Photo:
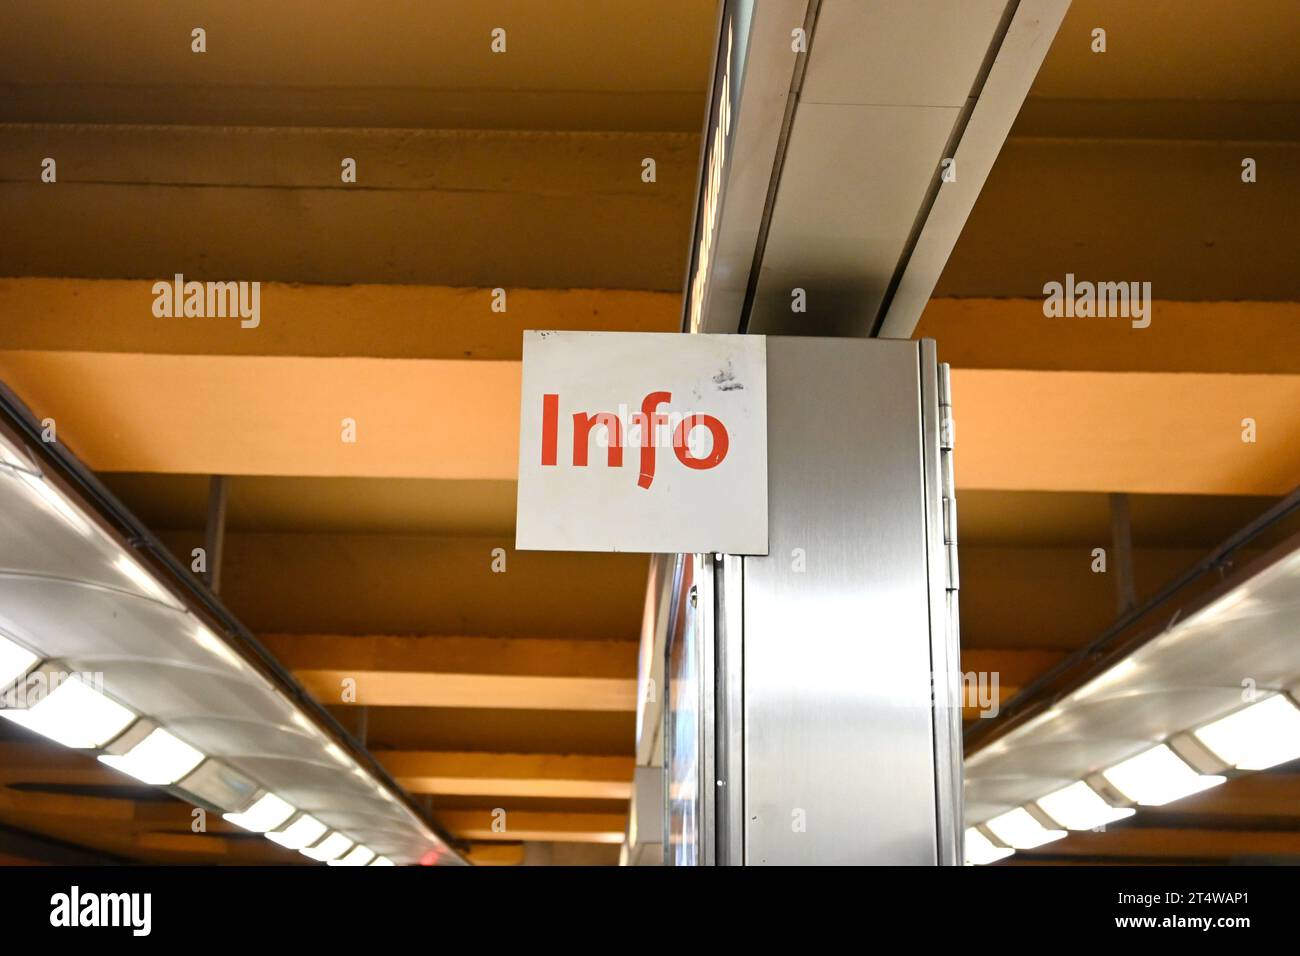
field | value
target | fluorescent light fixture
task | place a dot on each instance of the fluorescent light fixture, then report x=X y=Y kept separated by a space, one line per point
x=1234 y=601
x=1079 y=807
x=143 y=579
x=75 y=715
x=266 y=814
x=330 y=848
x=15 y=661
x=358 y=856
x=159 y=759
x=51 y=500
x=1256 y=737
x=217 y=647
x=304 y=831
x=383 y=861
x=980 y=850
x=1158 y=776
x=1106 y=678
x=1018 y=828
x=335 y=751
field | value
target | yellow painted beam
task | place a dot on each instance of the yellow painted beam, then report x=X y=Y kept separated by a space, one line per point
x=397 y=689
x=1182 y=337
x=564 y=776
x=496 y=854
x=526 y=825
x=370 y=321
x=437 y=653
x=257 y=415
x=1156 y=433
x=507 y=673
x=1170 y=433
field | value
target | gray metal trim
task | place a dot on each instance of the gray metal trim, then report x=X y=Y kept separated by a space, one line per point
x=945 y=651
x=729 y=723
x=764 y=75
x=703 y=593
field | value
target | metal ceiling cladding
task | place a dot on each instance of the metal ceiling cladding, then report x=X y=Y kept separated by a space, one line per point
x=72 y=592
x=1237 y=640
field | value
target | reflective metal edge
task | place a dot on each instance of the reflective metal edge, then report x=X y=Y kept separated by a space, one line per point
x=755 y=67
x=729 y=731
x=945 y=649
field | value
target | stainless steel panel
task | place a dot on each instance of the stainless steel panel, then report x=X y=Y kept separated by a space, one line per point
x=842 y=245
x=757 y=59
x=837 y=618
x=883 y=52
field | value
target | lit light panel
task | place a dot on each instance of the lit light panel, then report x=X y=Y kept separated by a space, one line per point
x=159 y=759
x=266 y=814
x=1257 y=737
x=1017 y=828
x=1158 y=776
x=1079 y=807
x=75 y=715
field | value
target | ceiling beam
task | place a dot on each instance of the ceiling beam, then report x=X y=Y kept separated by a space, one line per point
x=424 y=321
x=405 y=689
x=437 y=653
x=1183 y=337
x=495 y=854
x=511 y=775
x=485 y=673
x=400 y=321
x=1068 y=193
x=486 y=208
x=527 y=825
x=1016 y=430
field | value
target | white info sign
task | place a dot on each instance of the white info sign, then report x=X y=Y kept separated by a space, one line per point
x=642 y=441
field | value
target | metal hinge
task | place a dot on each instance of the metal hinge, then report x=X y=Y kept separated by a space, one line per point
x=949 y=489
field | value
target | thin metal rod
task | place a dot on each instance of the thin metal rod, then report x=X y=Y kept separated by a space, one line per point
x=214 y=539
x=363 y=725
x=1121 y=541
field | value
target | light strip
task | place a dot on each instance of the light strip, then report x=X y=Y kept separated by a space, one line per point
x=304 y=831
x=1079 y=807
x=1257 y=737
x=1017 y=828
x=980 y=850
x=383 y=861
x=266 y=814
x=330 y=848
x=75 y=715
x=358 y=856
x=159 y=759
x=1158 y=776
